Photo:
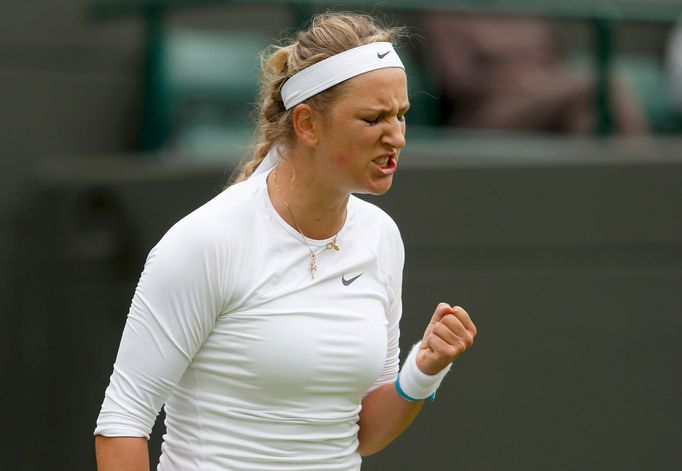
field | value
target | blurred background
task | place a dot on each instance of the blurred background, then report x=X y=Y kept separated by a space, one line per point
x=541 y=189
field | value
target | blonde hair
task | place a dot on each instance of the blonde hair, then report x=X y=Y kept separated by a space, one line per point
x=329 y=34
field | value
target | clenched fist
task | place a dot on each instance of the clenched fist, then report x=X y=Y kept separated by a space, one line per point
x=449 y=334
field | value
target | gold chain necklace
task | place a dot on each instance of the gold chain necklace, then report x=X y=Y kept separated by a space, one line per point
x=313 y=256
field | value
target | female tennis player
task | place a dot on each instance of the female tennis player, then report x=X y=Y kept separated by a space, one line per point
x=266 y=322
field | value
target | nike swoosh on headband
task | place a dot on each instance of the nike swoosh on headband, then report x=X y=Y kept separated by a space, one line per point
x=336 y=69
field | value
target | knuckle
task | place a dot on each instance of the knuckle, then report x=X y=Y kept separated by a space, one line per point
x=439 y=328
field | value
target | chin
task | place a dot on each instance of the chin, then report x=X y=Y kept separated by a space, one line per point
x=376 y=189
x=382 y=191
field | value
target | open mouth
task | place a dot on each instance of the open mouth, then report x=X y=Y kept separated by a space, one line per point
x=386 y=162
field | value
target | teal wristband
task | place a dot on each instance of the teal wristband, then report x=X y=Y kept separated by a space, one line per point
x=402 y=393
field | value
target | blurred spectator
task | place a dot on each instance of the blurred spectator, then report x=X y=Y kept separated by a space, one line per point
x=674 y=60
x=507 y=72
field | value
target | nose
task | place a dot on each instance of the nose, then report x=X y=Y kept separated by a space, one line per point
x=394 y=134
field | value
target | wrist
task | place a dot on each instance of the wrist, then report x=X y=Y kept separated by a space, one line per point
x=413 y=384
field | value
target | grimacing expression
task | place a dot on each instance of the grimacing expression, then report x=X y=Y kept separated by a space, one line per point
x=364 y=131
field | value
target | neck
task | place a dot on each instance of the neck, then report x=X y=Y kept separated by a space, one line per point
x=316 y=209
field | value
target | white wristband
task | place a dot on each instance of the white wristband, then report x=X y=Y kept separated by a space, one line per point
x=414 y=385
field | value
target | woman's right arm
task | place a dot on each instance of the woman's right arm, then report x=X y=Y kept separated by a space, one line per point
x=174 y=309
x=122 y=453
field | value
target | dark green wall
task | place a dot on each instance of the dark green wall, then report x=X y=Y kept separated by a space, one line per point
x=573 y=274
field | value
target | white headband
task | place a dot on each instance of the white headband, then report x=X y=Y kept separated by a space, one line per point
x=335 y=69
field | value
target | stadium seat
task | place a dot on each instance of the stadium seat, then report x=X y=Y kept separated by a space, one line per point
x=645 y=74
x=202 y=91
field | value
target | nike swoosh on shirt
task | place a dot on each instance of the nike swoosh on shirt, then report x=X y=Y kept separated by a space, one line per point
x=381 y=56
x=346 y=282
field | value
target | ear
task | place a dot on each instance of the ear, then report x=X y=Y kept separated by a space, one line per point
x=304 y=118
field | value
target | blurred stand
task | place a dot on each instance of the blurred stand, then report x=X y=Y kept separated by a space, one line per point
x=507 y=72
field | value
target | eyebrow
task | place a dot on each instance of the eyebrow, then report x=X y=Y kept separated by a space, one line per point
x=381 y=109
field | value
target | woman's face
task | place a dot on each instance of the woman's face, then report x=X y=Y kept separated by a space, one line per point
x=361 y=135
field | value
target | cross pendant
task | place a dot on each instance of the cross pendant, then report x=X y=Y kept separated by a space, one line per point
x=313 y=266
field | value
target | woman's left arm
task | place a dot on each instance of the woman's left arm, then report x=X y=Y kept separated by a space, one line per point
x=385 y=414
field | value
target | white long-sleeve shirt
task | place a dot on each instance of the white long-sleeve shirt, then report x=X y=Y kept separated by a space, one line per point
x=259 y=366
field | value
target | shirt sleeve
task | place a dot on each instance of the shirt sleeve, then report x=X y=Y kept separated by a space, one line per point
x=393 y=255
x=174 y=308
